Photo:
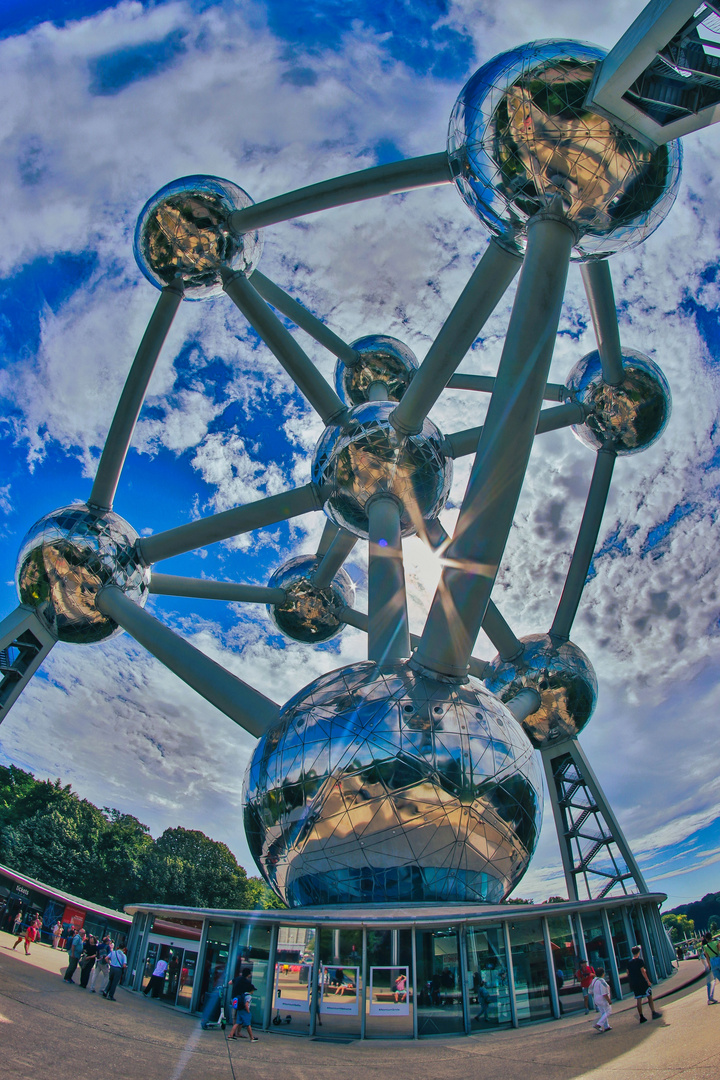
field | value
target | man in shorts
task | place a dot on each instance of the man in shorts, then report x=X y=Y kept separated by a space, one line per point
x=640 y=985
x=242 y=989
x=585 y=975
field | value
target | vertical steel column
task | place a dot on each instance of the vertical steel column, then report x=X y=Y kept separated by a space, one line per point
x=143 y=951
x=123 y=423
x=548 y=754
x=314 y=1000
x=464 y=978
x=136 y=932
x=388 y=632
x=554 y=992
x=646 y=945
x=614 y=970
x=413 y=947
x=599 y=290
x=511 y=975
x=272 y=954
x=472 y=559
x=581 y=938
x=363 y=1001
x=629 y=929
x=195 y=1001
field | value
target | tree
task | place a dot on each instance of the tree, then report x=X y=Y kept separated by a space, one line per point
x=679 y=927
x=187 y=868
x=260 y=896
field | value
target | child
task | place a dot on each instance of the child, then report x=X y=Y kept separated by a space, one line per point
x=601 y=996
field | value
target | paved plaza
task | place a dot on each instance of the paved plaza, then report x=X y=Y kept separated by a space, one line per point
x=49 y=1029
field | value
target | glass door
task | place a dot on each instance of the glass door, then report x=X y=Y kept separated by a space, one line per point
x=440 y=1007
x=295 y=960
x=340 y=987
x=389 y=1001
x=487 y=972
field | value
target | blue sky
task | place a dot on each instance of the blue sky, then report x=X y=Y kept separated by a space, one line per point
x=105 y=104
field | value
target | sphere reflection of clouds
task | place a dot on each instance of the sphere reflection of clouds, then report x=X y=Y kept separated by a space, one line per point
x=520 y=135
x=183 y=230
x=382 y=359
x=380 y=784
x=309 y=614
x=64 y=561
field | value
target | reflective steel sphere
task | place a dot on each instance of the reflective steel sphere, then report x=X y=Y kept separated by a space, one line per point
x=564 y=678
x=365 y=455
x=64 y=561
x=183 y=230
x=309 y=614
x=629 y=417
x=382 y=785
x=384 y=359
x=520 y=135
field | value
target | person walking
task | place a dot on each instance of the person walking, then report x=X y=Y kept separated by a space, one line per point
x=640 y=985
x=600 y=992
x=710 y=977
x=241 y=993
x=118 y=963
x=156 y=982
x=585 y=975
x=17 y=923
x=711 y=952
x=56 y=934
x=75 y=951
x=28 y=935
x=102 y=964
x=87 y=961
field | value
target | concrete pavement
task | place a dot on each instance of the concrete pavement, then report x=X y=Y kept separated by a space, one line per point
x=51 y=1030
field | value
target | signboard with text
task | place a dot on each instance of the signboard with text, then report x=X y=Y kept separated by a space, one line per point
x=389 y=991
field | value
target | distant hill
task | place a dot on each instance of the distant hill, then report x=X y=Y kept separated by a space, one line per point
x=700 y=911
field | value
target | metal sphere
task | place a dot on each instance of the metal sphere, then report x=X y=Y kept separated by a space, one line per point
x=309 y=614
x=183 y=230
x=384 y=359
x=629 y=417
x=64 y=561
x=365 y=456
x=563 y=677
x=383 y=785
x=520 y=135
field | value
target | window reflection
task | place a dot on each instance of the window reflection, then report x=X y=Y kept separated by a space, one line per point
x=566 y=961
x=532 y=992
x=488 y=989
x=439 y=986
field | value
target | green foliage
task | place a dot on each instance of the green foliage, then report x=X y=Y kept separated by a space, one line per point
x=679 y=927
x=701 y=911
x=518 y=900
x=51 y=834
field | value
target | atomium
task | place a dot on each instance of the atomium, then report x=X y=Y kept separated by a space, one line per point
x=626 y=418
x=183 y=230
x=66 y=558
x=520 y=135
x=309 y=614
x=382 y=359
x=379 y=785
x=365 y=456
x=398 y=779
x=564 y=678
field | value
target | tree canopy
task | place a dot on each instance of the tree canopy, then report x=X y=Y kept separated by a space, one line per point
x=49 y=833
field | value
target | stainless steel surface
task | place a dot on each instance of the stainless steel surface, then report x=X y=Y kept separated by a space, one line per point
x=388 y=630
x=283 y=346
x=308 y=613
x=123 y=423
x=64 y=561
x=228 y=523
x=243 y=704
x=370 y=183
x=520 y=135
x=489 y=282
x=183 y=229
x=561 y=674
x=302 y=317
x=627 y=418
x=336 y=554
x=207 y=589
x=379 y=785
x=24 y=643
x=366 y=456
x=601 y=300
x=472 y=558
x=379 y=359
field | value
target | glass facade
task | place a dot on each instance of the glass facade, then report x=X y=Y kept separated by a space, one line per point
x=566 y=961
x=530 y=970
x=380 y=980
x=488 y=986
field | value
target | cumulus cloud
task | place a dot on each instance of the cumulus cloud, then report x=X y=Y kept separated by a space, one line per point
x=103 y=111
